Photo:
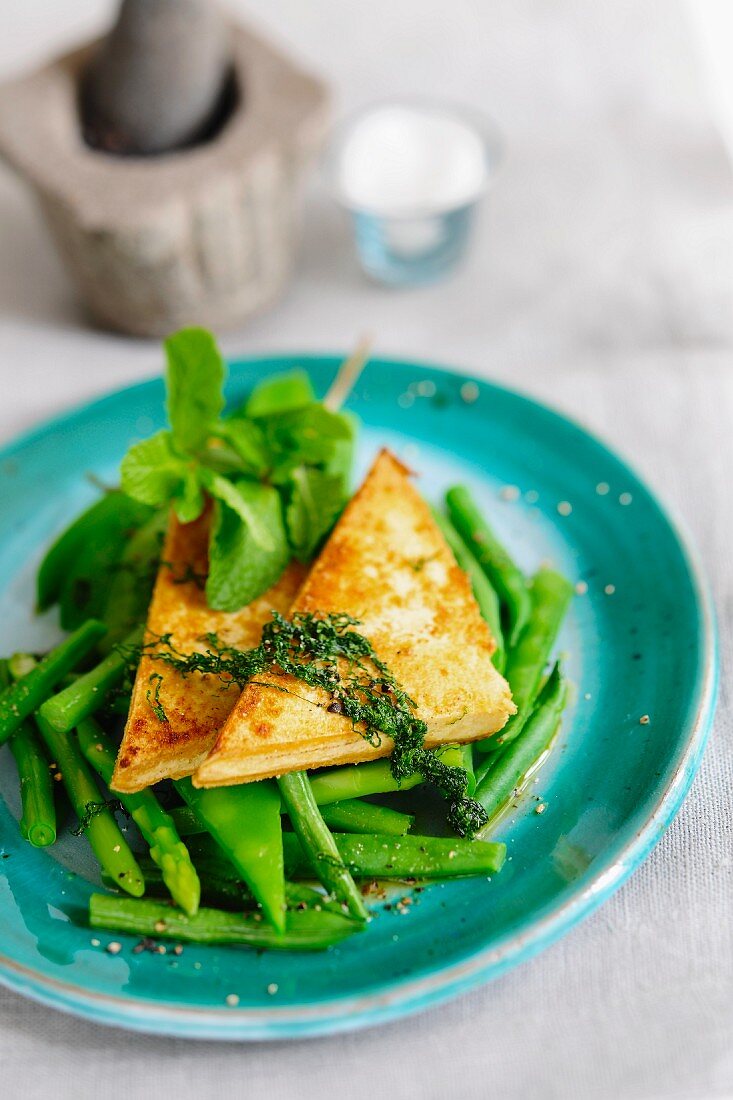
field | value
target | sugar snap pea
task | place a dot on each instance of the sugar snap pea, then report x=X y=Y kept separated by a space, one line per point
x=520 y=755
x=551 y=594
x=506 y=577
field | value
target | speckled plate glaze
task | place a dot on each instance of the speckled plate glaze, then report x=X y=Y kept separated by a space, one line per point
x=639 y=641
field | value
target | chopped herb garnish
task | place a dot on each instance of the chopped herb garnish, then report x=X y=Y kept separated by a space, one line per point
x=329 y=653
x=187 y=574
x=153 y=696
x=94 y=809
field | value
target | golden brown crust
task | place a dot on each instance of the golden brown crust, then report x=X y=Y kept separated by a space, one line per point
x=196 y=706
x=387 y=565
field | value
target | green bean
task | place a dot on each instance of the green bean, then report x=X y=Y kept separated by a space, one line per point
x=38 y=820
x=483 y=590
x=38 y=817
x=494 y=559
x=131 y=586
x=87 y=694
x=374 y=777
x=156 y=826
x=355 y=816
x=95 y=818
x=221 y=892
x=245 y=823
x=18 y=665
x=23 y=697
x=408 y=857
x=304 y=929
x=487 y=762
x=350 y=816
x=520 y=756
x=318 y=843
x=551 y=595
x=467 y=765
x=370 y=856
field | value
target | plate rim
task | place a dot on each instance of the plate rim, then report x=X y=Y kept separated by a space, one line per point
x=406 y=995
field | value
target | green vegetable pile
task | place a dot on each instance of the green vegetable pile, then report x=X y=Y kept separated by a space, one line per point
x=226 y=865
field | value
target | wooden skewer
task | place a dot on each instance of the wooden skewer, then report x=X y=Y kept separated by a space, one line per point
x=348 y=374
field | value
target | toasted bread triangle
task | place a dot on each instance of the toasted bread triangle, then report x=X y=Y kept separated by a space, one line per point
x=195 y=706
x=387 y=565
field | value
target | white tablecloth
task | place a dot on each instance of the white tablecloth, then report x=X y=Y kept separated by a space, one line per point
x=601 y=281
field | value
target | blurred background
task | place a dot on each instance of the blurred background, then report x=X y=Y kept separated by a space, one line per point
x=608 y=228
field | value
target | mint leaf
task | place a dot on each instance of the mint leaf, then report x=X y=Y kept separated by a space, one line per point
x=194 y=383
x=341 y=462
x=247 y=440
x=189 y=501
x=151 y=470
x=279 y=393
x=315 y=500
x=248 y=548
x=154 y=473
x=303 y=436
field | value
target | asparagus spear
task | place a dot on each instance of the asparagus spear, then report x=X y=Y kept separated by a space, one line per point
x=304 y=930
x=38 y=819
x=245 y=823
x=157 y=827
x=87 y=694
x=23 y=697
x=518 y=757
x=318 y=843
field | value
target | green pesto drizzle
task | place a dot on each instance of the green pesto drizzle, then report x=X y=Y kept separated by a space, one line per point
x=328 y=653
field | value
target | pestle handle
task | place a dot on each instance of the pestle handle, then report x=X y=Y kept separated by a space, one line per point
x=161 y=79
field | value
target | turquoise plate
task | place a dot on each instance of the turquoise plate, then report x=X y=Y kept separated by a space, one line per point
x=639 y=641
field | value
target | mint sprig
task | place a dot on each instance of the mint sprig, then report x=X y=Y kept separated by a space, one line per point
x=277 y=470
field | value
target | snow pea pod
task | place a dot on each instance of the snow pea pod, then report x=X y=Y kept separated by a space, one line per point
x=105 y=533
x=244 y=821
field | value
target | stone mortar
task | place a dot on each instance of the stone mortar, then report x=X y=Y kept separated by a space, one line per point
x=202 y=236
